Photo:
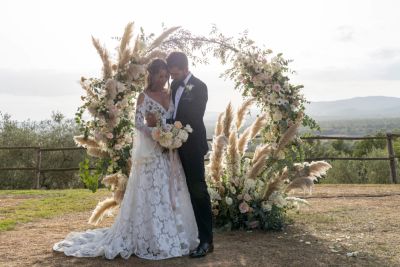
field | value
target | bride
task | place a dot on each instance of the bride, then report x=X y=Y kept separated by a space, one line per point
x=154 y=221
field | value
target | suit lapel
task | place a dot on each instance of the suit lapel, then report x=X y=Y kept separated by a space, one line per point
x=179 y=107
x=174 y=89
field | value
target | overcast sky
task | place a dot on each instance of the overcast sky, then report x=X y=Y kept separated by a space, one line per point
x=341 y=49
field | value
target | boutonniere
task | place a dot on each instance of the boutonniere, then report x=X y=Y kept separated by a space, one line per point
x=189 y=87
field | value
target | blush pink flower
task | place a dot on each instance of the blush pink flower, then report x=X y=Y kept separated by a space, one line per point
x=178 y=125
x=276 y=87
x=244 y=207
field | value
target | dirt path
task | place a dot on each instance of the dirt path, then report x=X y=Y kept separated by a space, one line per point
x=321 y=235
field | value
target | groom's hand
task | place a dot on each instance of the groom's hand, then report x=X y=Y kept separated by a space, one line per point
x=151 y=120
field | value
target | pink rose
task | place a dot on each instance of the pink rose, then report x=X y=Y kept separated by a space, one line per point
x=276 y=87
x=247 y=197
x=244 y=207
x=178 y=124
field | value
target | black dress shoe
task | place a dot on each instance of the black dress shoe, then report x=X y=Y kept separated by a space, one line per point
x=202 y=250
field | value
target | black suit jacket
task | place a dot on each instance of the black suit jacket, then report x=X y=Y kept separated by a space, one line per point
x=190 y=110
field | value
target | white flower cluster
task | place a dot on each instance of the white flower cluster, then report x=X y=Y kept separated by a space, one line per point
x=109 y=103
x=214 y=195
x=266 y=79
x=171 y=136
x=278 y=199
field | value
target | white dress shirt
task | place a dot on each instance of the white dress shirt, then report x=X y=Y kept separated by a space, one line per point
x=179 y=93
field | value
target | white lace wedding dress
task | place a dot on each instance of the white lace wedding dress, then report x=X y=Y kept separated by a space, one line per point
x=148 y=224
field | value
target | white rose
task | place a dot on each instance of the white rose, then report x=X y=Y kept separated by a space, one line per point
x=118 y=147
x=168 y=127
x=183 y=135
x=128 y=139
x=233 y=190
x=247 y=197
x=177 y=144
x=213 y=194
x=168 y=135
x=228 y=201
x=165 y=142
x=249 y=184
x=266 y=206
x=188 y=128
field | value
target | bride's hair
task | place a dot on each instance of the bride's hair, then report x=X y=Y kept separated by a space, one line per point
x=153 y=68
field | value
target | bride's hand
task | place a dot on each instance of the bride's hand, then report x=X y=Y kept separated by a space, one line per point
x=151 y=119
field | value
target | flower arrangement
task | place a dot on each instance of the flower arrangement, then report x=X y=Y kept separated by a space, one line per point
x=171 y=136
x=245 y=189
x=249 y=189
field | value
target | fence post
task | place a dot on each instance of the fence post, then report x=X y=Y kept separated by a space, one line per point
x=392 y=158
x=38 y=163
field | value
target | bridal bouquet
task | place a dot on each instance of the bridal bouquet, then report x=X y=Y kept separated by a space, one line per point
x=171 y=136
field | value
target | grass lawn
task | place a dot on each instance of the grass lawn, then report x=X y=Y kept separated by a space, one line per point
x=30 y=205
x=357 y=220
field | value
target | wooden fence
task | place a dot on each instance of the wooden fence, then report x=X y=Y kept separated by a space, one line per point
x=39 y=153
x=389 y=140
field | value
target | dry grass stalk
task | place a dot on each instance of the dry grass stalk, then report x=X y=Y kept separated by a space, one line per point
x=124 y=53
x=101 y=209
x=228 y=118
x=80 y=140
x=118 y=182
x=243 y=140
x=257 y=125
x=306 y=180
x=215 y=164
x=233 y=157
x=242 y=112
x=256 y=168
x=104 y=55
x=219 y=128
x=157 y=42
x=275 y=184
x=87 y=88
x=262 y=151
x=318 y=168
x=153 y=55
x=96 y=152
x=288 y=136
x=136 y=47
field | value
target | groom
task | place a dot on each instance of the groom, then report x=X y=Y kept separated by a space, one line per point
x=189 y=96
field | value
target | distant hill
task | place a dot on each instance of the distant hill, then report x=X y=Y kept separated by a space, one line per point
x=354 y=117
x=371 y=107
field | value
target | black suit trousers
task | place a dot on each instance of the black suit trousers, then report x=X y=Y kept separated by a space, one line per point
x=193 y=165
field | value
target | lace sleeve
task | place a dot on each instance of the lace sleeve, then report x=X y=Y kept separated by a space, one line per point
x=139 y=120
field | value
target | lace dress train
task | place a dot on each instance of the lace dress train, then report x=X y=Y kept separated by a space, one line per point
x=148 y=224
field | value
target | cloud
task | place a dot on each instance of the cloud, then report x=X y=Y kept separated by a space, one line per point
x=365 y=72
x=385 y=53
x=345 y=33
x=38 y=107
x=38 y=83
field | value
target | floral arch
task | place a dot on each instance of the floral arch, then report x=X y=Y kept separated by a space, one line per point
x=246 y=192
